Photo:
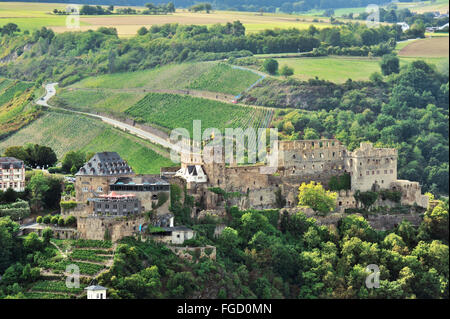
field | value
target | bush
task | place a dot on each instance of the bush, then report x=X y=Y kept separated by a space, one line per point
x=47 y=219
x=55 y=170
x=47 y=234
x=70 y=221
x=54 y=220
x=61 y=221
x=39 y=219
x=68 y=204
x=271 y=66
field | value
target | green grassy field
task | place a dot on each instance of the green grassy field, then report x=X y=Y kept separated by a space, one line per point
x=208 y=76
x=339 y=69
x=66 y=132
x=176 y=111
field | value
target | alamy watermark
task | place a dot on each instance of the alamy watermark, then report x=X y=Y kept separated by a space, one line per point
x=73 y=277
x=373 y=19
x=73 y=16
x=373 y=279
x=235 y=146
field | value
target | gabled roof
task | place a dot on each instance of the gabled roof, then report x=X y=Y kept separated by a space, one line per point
x=105 y=164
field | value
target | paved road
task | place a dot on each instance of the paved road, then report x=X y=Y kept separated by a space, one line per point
x=51 y=91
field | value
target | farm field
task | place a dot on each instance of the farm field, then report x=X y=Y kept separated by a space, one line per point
x=425 y=6
x=176 y=111
x=339 y=69
x=429 y=47
x=65 y=132
x=37 y=15
x=207 y=76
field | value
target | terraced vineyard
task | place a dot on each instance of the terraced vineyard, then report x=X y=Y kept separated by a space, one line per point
x=16 y=109
x=102 y=100
x=207 y=76
x=172 y=111
x=97 y=256
x=65 y=132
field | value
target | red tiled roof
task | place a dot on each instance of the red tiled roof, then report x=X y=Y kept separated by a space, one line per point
x=115 y=195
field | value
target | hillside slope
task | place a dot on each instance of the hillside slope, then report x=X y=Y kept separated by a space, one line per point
x=66 y=132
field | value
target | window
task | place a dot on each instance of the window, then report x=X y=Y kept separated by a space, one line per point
x=85 y=189
x=99 y=189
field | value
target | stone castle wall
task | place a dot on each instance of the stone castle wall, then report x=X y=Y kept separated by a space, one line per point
x=92 y=227
x=305 y=161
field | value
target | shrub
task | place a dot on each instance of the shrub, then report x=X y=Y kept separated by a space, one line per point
x=271 y=66
x=54 y=219
x=47 y=219
x=39 y=219
x=68 y=204
x=70 y=221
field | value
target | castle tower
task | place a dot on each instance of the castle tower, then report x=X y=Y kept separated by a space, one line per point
x=372 y=168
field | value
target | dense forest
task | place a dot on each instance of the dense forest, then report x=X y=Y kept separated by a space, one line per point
x=260 y=254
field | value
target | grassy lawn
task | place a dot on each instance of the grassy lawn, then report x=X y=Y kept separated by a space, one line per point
x=66 y=132
x=339 y=69
x=336 y=69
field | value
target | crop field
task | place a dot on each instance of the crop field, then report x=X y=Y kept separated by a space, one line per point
x=65 y=132
x=207 y=76
x=36 y=15
x=429 y=47
x=425 y=6
x=176 y=111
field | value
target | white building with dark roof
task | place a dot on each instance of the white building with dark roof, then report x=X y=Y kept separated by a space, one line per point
x=12 y=174
x=96 y=292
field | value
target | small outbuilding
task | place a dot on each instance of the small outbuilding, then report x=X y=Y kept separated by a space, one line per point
x=96 y=292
